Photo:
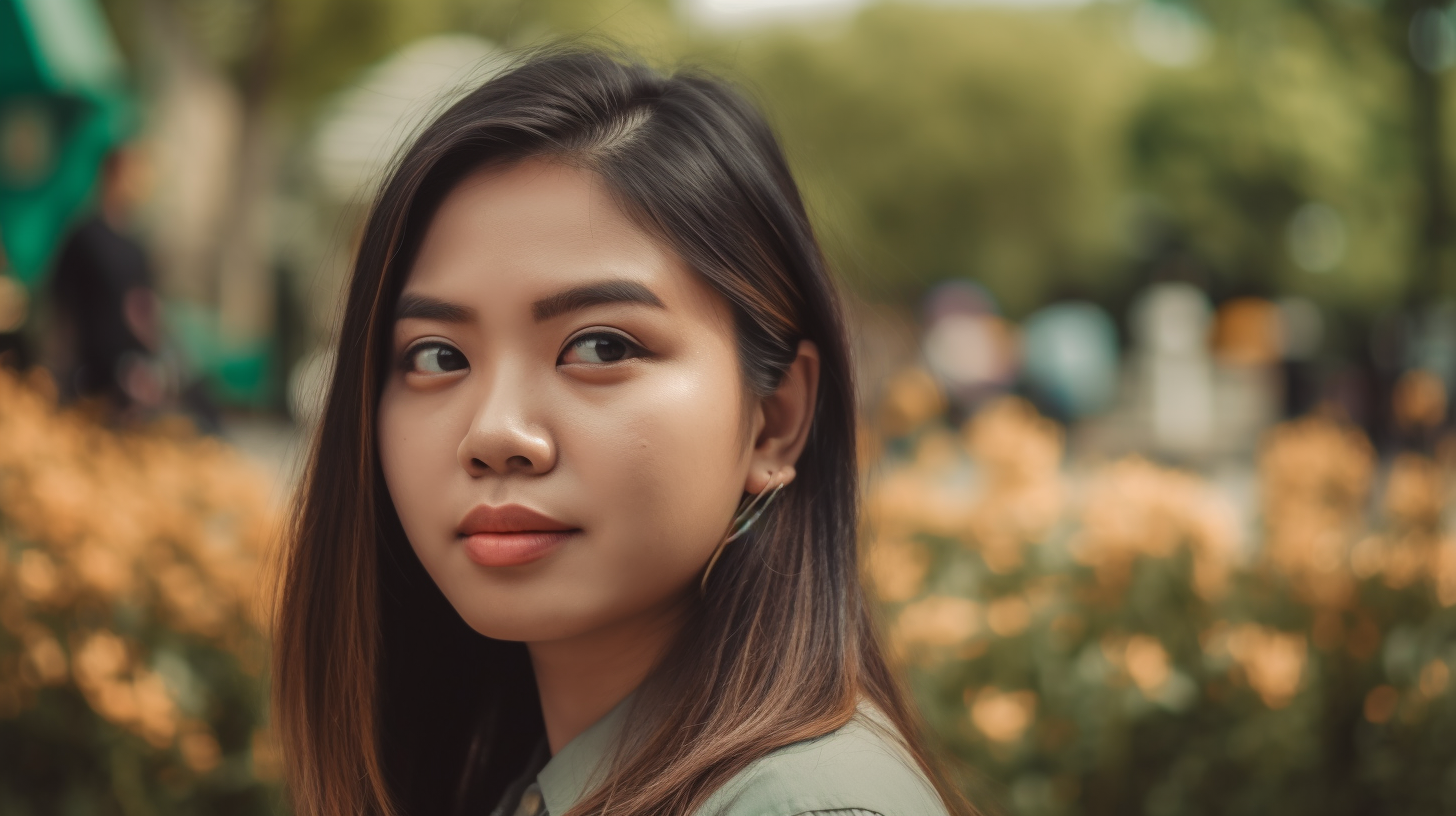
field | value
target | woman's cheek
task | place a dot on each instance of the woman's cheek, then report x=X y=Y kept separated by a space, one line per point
x=418 y=460
x=675 y=471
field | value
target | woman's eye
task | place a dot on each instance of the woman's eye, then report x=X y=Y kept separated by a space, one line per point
x=600 y=348
x=435 y=358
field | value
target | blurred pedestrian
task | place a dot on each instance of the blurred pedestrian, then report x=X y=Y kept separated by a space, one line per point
x=14 y=305
x=1302 y=333
x=970 y=348
x=107 y=323
x=1070 y=359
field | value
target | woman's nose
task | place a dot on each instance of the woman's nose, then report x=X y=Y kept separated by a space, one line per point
x=504 y=437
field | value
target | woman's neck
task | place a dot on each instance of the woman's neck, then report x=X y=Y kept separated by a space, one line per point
x=582 y=678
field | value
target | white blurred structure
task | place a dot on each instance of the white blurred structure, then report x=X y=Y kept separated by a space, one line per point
x=358 y=136
x=1173 y=368
x=367 y=124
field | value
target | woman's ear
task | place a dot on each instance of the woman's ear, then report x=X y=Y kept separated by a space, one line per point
x=785 y=417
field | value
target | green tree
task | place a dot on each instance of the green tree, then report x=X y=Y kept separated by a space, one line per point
x=938 y=143
x=1277 y=117
x=1395 y=56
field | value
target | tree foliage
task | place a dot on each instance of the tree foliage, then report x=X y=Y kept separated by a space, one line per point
x=1035 y=152
x=937 y=143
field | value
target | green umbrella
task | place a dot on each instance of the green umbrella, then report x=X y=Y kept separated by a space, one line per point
x=63 y=105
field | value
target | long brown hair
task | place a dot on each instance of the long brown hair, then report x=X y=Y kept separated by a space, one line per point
x=386 y=702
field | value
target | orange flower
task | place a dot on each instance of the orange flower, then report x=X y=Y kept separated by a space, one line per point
x=1003 y=716
x=169 y=526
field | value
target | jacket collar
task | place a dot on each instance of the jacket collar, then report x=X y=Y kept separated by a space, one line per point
x=583 y=763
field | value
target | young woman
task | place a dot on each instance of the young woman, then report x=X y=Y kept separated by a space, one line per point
x=578 y=536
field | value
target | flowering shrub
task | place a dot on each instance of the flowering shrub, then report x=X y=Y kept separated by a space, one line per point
x=1123 y=642
x=131 y=649
x=1111 y=642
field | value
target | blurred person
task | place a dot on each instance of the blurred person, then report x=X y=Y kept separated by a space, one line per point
x=1248 y=397
x=1351 y=392
x=1387 y=358
x=107 y=331
x=1421 y=396
x=1419 y=407
x=579 y=530
x=1302 y=337
x=1247 y=331
x=969 y=347
x=14 y=307
x=1070 y=359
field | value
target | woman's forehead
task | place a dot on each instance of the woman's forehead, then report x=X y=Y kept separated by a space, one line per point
x=536 y=228
x=536 y=209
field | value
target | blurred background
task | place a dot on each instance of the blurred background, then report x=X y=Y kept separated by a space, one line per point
x=1155 y=313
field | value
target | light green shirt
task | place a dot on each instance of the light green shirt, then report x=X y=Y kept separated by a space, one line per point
x=858 y=770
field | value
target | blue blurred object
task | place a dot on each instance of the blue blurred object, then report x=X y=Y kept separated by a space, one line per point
x=1070 y=359
x=63 y=106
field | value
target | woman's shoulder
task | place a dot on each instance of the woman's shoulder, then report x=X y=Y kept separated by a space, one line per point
x=861 y=769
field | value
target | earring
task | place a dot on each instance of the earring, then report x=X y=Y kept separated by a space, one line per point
x=742 y=521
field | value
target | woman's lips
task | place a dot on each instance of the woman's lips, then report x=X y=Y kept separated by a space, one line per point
x=512 y=549
x=510 y=535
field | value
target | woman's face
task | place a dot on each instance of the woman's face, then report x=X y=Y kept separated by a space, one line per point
x=563 y=431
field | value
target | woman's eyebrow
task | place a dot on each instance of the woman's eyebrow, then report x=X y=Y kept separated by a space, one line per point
x=424 y=307
x=594 y=294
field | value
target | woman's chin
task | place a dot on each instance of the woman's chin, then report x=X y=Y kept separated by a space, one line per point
x=549 y=613
x=538 y=624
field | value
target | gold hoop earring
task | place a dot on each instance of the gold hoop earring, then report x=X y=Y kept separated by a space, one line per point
x=742 y=521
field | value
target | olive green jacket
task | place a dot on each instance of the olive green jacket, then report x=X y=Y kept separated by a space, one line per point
x=858 y=770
